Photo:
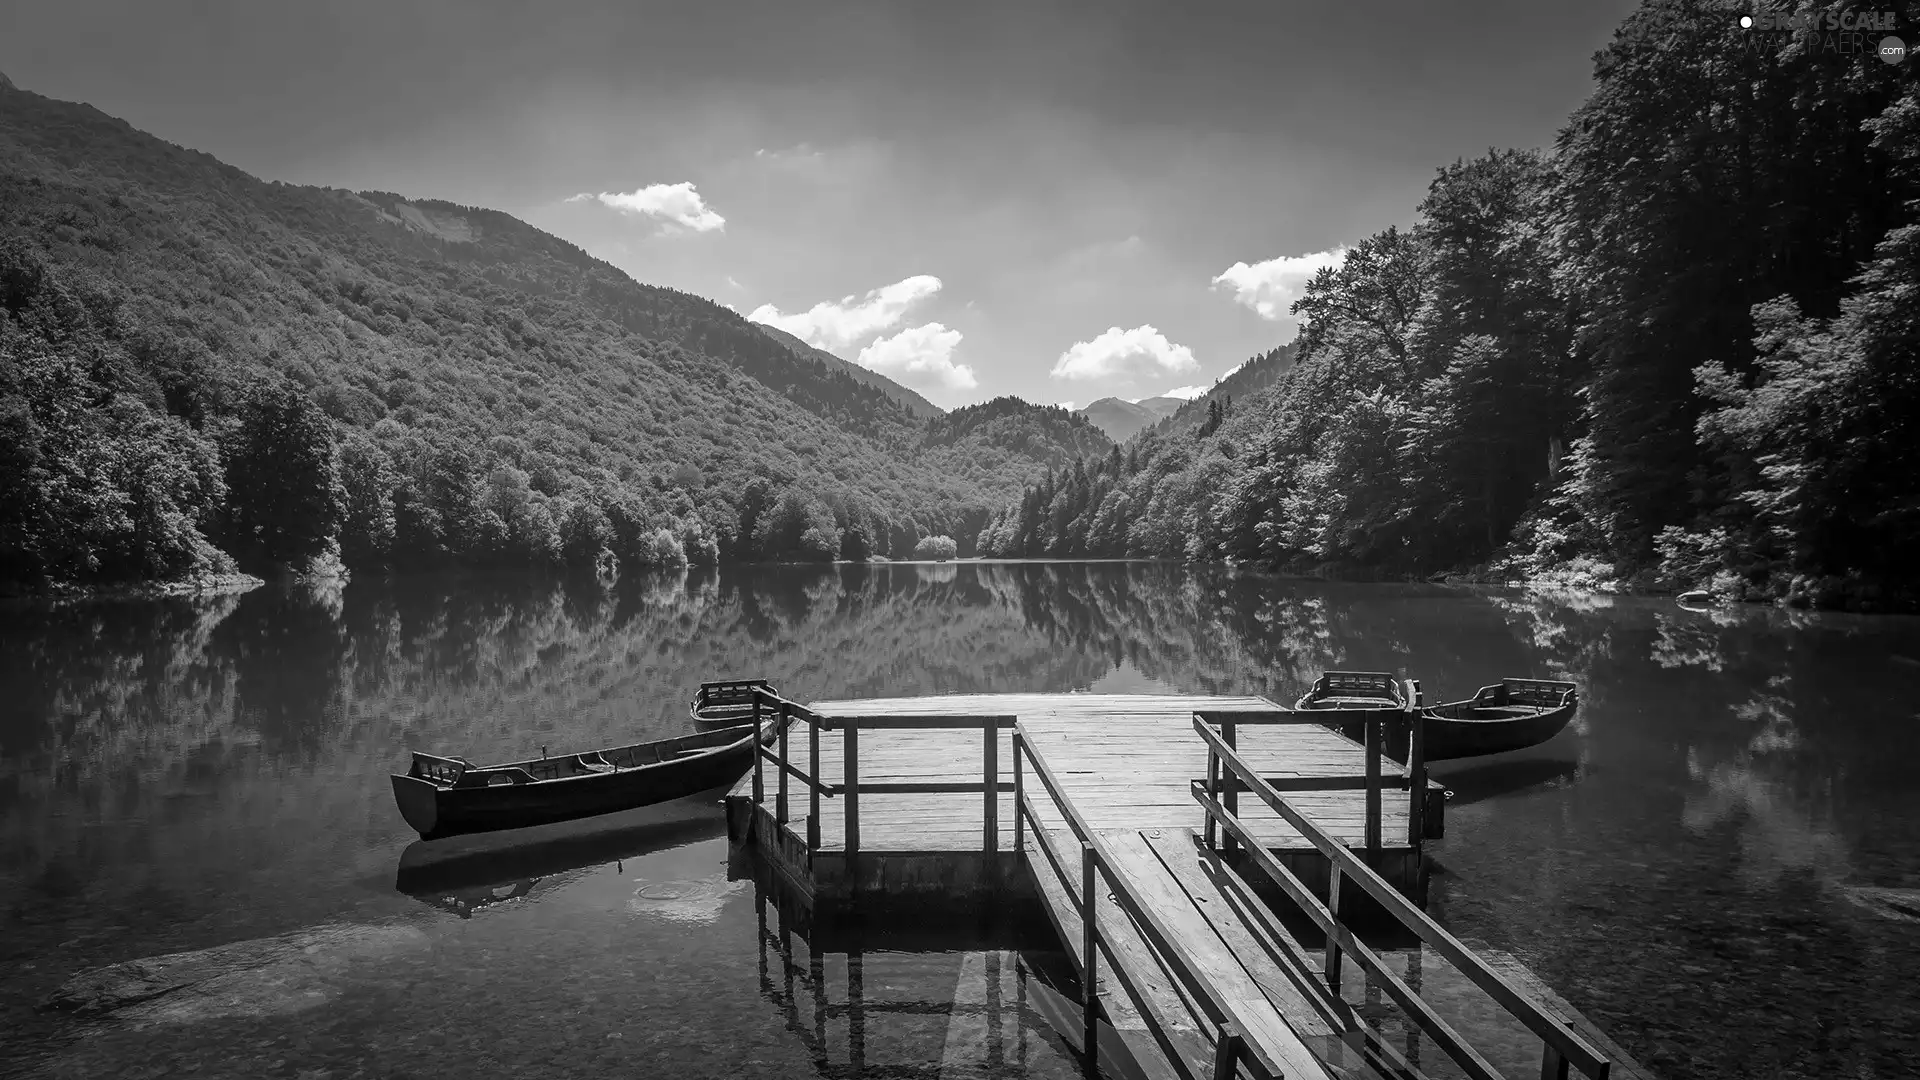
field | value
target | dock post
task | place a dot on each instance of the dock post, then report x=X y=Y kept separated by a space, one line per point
x=1226 y=1052
x=992 y=807
x=850 y=777
x=1375 y=723
x=1019 y=794
x=1331 y=965
x=1213 y=792
x=813 y=784
x=759 y=754
x=1230 y=797
x=1416 y=767
x=780 y=800
x=1553 y=1065
x=1089 y=946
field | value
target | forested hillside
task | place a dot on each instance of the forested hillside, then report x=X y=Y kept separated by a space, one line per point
x=199 y=367
x=1248 y=379
x=1677 y=349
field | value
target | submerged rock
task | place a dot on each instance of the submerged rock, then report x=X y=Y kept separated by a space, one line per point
x=261 y=977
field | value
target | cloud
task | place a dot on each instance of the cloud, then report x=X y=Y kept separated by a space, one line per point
x=920 y=356
x=1271 y=287
x=1123 y=352
x=832 y=325
x=798 y=157
x=676 y=204
x=734 y=284
x=1185 y=393
x=1067 y=405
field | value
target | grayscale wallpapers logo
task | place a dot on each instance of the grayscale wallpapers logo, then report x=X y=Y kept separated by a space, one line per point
x=1847 y=33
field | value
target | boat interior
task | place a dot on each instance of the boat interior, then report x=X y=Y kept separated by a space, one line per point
x=1355 y=690
x=1509 y=699
x=456 y=772
x=720 y=700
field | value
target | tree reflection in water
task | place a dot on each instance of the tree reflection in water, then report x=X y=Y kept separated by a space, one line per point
x=178 y=773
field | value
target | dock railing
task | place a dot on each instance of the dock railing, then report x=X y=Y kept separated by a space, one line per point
x=788 y=714
x=1377 y=725
x=1232 y=1050
x=1228 y=774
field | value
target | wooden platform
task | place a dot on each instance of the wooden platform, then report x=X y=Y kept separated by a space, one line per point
x=1128 y=762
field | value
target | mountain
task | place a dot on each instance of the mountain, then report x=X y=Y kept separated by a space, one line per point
x=196 y=361
x=1122 y=419
x=1045 y=435
x=1243 y=382
x=911 y=401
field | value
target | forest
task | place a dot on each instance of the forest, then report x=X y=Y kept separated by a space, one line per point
x=204 y=374
x=1675 y=350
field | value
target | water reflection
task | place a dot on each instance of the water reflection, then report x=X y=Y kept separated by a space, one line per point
x=1732 y=808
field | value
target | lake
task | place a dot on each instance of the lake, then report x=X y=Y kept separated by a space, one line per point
x=1719 y=861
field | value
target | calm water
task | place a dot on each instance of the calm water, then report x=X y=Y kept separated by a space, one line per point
x=1719 y=862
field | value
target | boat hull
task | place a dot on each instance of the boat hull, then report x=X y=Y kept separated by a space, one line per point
x=437 y=810
x=1462 y=736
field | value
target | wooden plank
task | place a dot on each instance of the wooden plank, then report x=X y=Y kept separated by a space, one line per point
x=1121 y=947
x=1267 y=1033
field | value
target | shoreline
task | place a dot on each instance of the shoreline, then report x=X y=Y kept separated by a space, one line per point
x=210 y=585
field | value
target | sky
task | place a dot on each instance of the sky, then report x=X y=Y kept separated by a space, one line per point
x=1058 y=201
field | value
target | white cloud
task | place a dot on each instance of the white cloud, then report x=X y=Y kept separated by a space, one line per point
x=734 y=284
x=676 y=204
x=920 y=356
x=833 y=325
x=1067 y=405
x=1271 y=287
x=1123 y=352
x=1184 y=393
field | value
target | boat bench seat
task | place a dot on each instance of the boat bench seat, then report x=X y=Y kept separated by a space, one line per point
x=1506 y=710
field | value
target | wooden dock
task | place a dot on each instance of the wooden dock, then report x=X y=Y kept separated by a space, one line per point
x=920 y=822
x=1156 y=832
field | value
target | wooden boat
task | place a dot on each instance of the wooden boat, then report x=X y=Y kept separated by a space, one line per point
x=1349 y=690
x=1510 y=715
x=1353 y=694
x=724 y=704
x=449 y=796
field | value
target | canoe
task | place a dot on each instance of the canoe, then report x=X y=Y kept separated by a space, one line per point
x=725 y=704
x=1512 y=714
x=441 y=796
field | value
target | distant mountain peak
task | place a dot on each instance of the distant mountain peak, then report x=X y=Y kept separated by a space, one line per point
x=6 y=83
x=1121 y=419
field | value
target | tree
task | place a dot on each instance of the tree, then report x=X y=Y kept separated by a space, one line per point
x=284 y=499
x=367 y=517
x=936 y=548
